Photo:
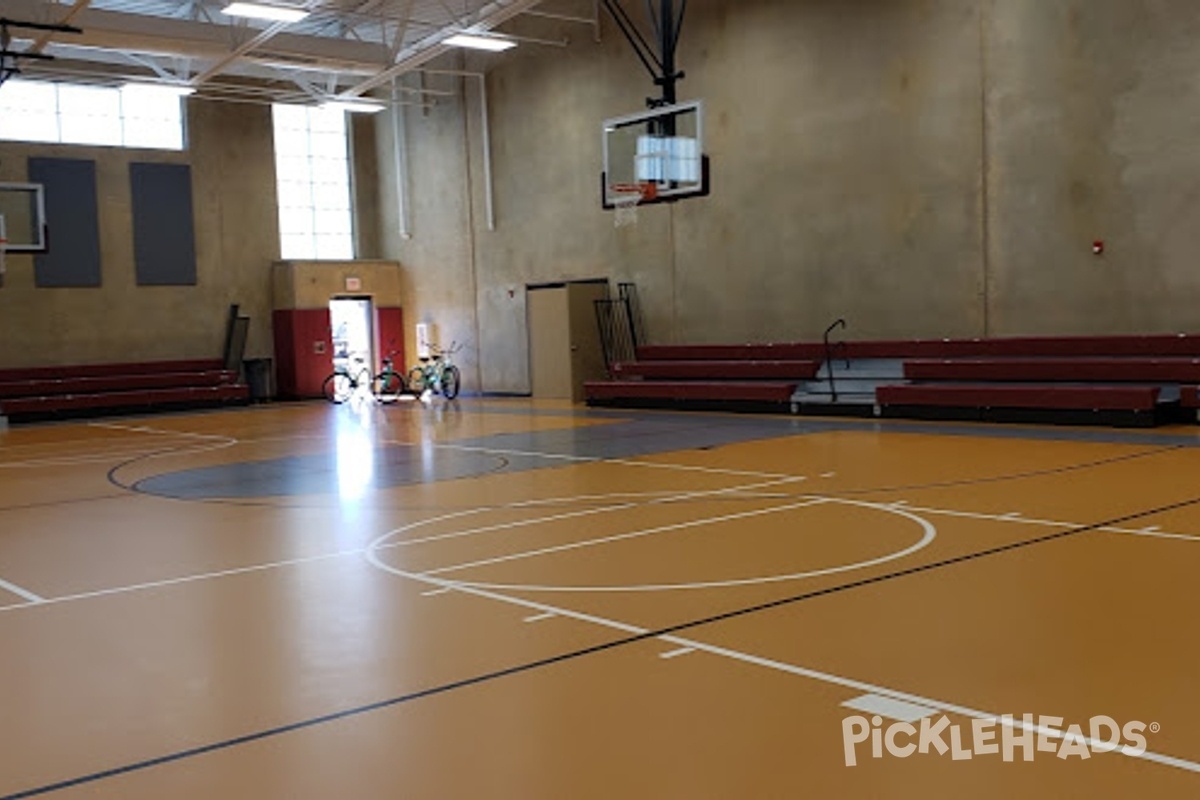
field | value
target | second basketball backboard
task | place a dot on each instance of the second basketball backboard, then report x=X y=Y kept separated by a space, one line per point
x=658 y=154
x=23 y=207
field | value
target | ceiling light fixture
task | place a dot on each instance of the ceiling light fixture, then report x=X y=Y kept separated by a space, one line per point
x=264 y=11
x=489 y=43
x=353 y=106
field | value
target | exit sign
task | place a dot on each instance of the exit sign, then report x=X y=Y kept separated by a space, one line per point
x=353 y=284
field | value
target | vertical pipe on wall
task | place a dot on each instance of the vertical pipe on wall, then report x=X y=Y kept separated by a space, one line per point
x=489 y=197
x=985 y=156
x=400 y=157
x=486 y=133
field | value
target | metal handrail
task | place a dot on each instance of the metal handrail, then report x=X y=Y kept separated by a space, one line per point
x=829 y=357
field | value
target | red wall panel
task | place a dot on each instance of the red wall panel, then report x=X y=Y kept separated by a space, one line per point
x=389 y=322
x=303 y=350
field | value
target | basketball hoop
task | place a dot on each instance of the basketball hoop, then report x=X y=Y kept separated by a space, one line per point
x=626 y=197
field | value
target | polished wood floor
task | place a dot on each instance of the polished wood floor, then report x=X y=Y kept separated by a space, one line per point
x=503 y=599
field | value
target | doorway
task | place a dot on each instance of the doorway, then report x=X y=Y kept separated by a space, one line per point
x=564 y=338
x=353 y=335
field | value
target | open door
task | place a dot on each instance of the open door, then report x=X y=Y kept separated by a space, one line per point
x=351 y=322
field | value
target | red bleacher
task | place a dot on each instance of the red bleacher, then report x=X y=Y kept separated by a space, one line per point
x=1017 y=346
x=1141 y=377
x=1028 y=396
x=731 y=391
x=1088 y=368
x=729 y=370
x=46 y=392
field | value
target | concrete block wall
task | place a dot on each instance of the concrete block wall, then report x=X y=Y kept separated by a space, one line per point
x=919 y=167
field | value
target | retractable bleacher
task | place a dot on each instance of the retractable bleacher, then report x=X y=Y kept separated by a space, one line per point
x=40 y=393
x=1114 y=380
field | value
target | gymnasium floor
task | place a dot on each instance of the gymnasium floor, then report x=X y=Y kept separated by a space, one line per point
x=503 y=599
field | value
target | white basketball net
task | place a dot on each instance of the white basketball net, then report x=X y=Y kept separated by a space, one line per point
x=625 y=204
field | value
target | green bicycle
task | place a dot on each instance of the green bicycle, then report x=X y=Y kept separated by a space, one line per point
x=436 y=373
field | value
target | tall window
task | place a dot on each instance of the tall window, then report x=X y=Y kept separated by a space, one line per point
x=312 y=165
x=64 y=113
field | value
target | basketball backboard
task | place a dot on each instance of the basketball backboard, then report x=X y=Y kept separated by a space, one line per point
x=23 y=207
x=658 y=153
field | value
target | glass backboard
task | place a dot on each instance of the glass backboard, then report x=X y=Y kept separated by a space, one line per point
x=658 y=153
x=23 y=207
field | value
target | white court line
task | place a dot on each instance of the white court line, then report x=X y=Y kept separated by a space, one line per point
x=215 y=441
x=12 y=588
x=158 y=431
x=148 y=585
x=780 y=666
x=202 y=576
x=1015 y=517
x=436 y=592
x=622 y=461
x=501 y=526
x=326 y=556
x=618 y=537
x=540 y=617
x=683 y=651
x=930 y=533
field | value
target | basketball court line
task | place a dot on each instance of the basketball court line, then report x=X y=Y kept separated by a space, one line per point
x=12 y=588
x=675 y=497
x=66 y=501
x=1105 y=527
x=1153 y=531
x=70 y=461
x=777 y=475
x=621 y=537
x=136 y=487
x=602 y=460
x=636 y=634
x=930 y=533
x=350 y=552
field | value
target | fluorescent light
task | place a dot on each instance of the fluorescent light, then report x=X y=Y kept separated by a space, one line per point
x=353 y=107
x=262 y=11
x=163 y=89
x=480 y=42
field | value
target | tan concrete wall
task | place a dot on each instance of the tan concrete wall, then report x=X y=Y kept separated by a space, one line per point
x=919 y=167
x=233 y=184
x=311 y=284
x=441 y=288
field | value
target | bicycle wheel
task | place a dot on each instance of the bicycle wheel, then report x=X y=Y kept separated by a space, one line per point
x=387 y=387
x=451 y=382
x=337 y=387
x=416 y=380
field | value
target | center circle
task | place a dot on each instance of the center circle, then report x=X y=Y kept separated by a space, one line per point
x=927 y=534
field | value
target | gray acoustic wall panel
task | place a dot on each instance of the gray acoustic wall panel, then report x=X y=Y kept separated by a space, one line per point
x=72 y=216
x=164 y=237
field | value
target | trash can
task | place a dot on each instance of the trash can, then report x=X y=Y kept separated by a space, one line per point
x=258 y=378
